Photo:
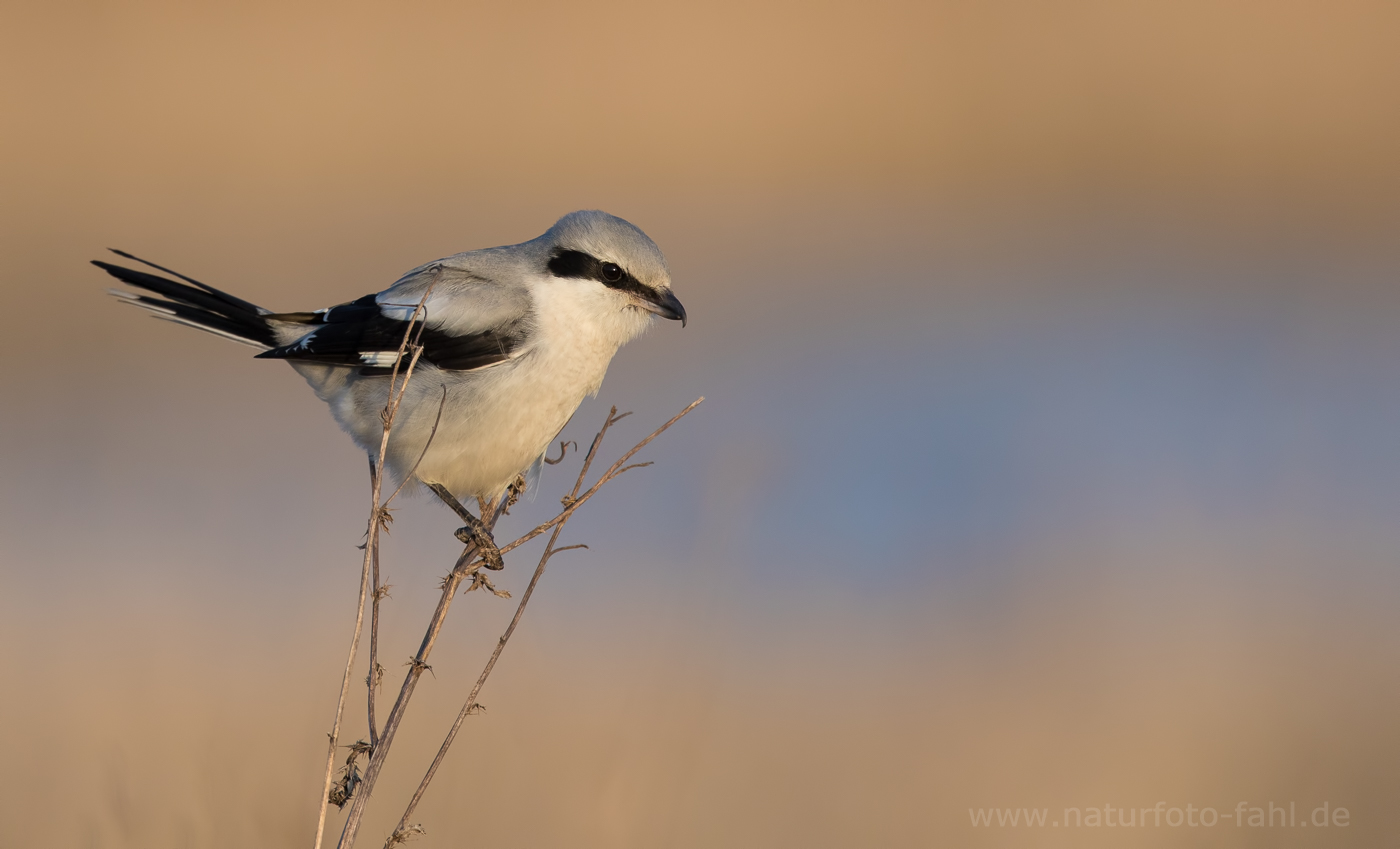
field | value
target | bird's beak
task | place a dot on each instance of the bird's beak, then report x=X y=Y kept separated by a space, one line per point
x=663 y=304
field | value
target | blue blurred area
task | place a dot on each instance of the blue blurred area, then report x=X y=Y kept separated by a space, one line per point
x=879 y=460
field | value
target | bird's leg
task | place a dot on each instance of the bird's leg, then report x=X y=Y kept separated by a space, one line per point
x=475 y=533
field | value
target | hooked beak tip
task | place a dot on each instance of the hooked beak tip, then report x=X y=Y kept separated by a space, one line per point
x=666 y=305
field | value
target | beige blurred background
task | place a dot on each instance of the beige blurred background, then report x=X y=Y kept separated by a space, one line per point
x=1050 y=457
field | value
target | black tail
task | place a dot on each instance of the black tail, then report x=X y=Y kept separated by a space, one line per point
x=195 y=304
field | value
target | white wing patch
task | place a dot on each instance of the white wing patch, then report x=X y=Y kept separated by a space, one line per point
x=384 y=359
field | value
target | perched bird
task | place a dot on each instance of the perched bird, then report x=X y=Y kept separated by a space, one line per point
x=512 y=340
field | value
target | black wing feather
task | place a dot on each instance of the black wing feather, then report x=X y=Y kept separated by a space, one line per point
x=344 y=334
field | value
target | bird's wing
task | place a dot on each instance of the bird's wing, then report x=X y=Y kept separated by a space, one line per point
x=468 y=322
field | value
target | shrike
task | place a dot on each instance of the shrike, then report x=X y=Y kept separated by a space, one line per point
x=513 y=339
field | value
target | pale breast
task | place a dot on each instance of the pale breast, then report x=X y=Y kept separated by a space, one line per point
x=498 y=420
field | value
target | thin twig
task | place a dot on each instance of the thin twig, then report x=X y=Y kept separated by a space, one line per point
x=613 y=471
x=465 y=566
x=563 y=449
x=442 y=402
x=396 y=713
x=573 y=499
x=345 y=681
x=490 y=514
x=376 y=521
x=371 y=681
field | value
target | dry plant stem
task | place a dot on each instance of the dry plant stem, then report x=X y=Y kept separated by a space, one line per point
x=490 y=514
x=372 y=682
x=613 y=471
x=417 y=666
x=573 y=500
x=376 y=521
x=345 y=685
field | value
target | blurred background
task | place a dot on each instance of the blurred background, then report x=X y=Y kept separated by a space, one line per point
x=1049 y=460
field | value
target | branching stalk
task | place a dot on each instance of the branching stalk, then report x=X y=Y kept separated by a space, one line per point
x=377 y=518
x=467 y=566
x=470 y=706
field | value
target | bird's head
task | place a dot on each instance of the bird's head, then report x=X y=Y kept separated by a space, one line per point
x=613 y=253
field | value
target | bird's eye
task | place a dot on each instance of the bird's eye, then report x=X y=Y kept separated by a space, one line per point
x=611 y=272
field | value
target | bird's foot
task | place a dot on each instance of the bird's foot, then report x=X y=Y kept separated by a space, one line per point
x=475 y=533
